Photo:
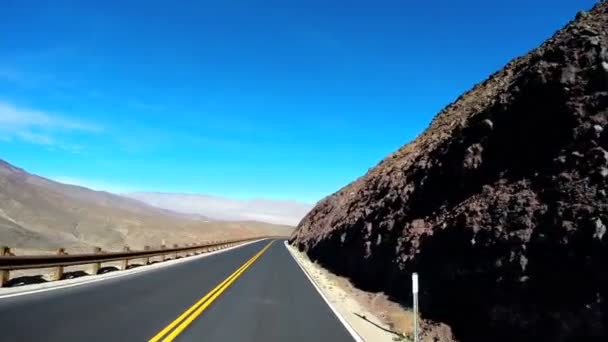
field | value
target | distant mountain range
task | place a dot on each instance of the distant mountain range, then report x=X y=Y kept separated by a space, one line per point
x=220 y=208
x=38 y=213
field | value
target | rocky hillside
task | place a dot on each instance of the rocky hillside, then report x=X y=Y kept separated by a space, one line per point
x=38 y=214
x=501 y=204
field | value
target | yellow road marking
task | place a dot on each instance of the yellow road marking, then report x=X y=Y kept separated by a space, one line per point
x=195 y=310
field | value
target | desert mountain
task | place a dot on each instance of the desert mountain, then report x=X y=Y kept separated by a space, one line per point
x=501 y=204
x=271 y=211
x=37 y=213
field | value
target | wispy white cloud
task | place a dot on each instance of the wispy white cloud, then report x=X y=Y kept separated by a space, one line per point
x=35 y=138
x=13 y=116
x=40 y=127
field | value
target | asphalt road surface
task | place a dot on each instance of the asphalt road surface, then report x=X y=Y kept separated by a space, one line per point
x=252 y=293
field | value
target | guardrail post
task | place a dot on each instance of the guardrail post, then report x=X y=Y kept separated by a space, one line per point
x=4 y=275
x=125 y=263
x=97 y=265
x=59 y=269
x=147 y=259
x=57 y=265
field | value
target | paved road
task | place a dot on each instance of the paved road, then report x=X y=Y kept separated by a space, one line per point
x=270 y=300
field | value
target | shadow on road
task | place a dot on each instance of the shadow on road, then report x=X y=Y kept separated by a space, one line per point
x=107 y=269
x=75 y=274
x=25 y=280
x=134 y=266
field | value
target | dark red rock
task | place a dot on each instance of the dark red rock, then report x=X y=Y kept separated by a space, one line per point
x=500 y=204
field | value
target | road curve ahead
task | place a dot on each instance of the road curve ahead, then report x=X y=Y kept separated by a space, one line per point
x=253 y=293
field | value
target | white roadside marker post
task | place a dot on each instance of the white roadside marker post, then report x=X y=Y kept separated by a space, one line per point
x=415 y=294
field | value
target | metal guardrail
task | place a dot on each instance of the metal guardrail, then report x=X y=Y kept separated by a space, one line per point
x=10 y=262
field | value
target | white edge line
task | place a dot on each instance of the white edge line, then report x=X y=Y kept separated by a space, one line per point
x=121 y=273
x=341 y=318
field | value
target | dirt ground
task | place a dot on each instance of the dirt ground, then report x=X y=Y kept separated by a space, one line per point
x=372 y=315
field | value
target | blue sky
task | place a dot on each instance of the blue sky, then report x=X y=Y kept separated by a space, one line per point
x=245 y=99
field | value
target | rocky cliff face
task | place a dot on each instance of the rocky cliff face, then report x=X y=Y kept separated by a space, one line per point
x=501 y=204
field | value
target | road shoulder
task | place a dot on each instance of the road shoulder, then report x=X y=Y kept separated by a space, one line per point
x=348 y=310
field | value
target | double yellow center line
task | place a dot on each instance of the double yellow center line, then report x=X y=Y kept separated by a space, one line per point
x=171 y=331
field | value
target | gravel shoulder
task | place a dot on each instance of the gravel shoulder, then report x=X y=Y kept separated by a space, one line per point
x=372 y=315
x=368 y=314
